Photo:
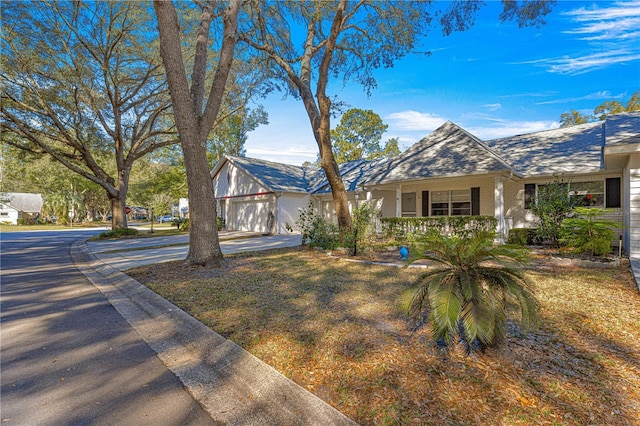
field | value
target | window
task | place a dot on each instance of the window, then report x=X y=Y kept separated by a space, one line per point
x=461 y=202
x=451 y=203
x=440 y=203
x=598 y=193
x=588 y=194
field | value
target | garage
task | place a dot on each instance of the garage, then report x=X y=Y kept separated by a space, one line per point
x=251 y=216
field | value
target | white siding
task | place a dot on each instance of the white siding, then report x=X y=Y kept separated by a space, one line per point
x=633 y=173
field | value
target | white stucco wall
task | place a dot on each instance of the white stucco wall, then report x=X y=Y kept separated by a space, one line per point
x=288 y=211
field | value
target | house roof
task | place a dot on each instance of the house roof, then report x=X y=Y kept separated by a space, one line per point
x=622 y=129
x=451 y=151
x=21 y=201
x=448 y=151
x=275 y=176
x=576 y=149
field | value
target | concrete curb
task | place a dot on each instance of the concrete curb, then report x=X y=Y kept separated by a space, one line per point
x=232 y=385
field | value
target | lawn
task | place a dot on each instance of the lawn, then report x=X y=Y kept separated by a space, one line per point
x=338 y=328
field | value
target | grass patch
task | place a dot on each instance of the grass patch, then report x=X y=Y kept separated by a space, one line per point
x=338 y=329
x=48 y=227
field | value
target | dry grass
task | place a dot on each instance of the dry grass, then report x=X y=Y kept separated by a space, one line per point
x=338 y=329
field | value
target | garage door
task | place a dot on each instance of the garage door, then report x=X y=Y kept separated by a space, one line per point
x=251 y=216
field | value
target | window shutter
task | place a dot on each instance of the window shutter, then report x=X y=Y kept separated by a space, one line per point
x=475 y=201
x=529 y=195
x=613 y=193
x=425 y=203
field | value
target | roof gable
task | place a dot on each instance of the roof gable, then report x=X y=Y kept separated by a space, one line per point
x=447 y=151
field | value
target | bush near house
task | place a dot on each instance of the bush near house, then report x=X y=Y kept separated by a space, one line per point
x=418 y=227
x=585 y=233
x=522 y=236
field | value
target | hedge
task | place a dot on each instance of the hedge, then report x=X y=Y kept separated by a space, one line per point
x=403 y=227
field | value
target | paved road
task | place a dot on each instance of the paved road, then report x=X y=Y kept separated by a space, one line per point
x=67 y=356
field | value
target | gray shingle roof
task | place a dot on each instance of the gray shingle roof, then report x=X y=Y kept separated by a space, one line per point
x=576 y=149
x=24 y=202
x=275 y=176
x=622 y=129
x=452 y=151
x=448 y=151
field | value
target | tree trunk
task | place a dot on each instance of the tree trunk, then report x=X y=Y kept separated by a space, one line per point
x=118 y=214
x=193 y=124
x=119 y=200
x=204 y=244
x=331 y=170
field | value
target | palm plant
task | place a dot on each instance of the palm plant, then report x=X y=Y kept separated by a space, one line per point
x=467 y=296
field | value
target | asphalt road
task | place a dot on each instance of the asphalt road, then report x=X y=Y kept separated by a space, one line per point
x=67 y=357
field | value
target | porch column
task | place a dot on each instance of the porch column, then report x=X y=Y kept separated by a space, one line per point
x=499 y=208
x=399 y=201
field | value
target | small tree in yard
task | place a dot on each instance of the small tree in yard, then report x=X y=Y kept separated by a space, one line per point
x=466 y=298
x=553 y=205
x=586 y=233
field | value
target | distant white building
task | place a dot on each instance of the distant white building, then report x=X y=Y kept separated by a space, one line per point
x=19 y=205
x=183 y=207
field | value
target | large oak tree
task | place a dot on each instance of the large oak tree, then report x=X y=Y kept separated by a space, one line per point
x=82 y=82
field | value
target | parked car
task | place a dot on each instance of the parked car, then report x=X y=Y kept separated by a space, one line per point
x=166 y=218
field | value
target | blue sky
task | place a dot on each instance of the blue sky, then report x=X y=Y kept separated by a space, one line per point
x=494 y=80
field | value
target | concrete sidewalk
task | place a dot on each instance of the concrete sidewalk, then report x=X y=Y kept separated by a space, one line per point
x=233 y=386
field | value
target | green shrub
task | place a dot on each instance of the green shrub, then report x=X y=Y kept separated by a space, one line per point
x=553 y=205
x=585 y=233
x=118 y=233
x=362 y=227
x=183 y=225
x=219 y=223
x=522 y=236
x=416 y=228
x=316 y=230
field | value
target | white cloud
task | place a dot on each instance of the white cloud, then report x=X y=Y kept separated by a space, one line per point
x=600 y=95
x=587 y=63
x=612 y=37
x=414 y=121
x=492 y=107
